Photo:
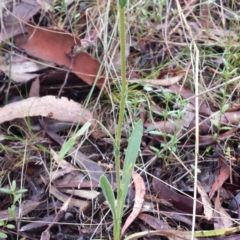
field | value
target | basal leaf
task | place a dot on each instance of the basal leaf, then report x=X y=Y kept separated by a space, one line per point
x=131 y=156
x=108 y=193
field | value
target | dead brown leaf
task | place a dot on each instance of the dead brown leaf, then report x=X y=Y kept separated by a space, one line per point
x=35 y=88
x=209 y=139
x=159 y=82
x=179 y=201
x=46 y=234
x=20 y=69
x=59 y=173
x=188 y=116
x=161 y=126
x=27 y=207
x=205 y=15
x=58 y=46
x=222 y=177
x=181 y=218
x=186 y=93
x=86 y=194
x=61 y=109
x=168 y=127
x=72 y=202
x=80 y=185
x=207 y=206
x=35 y=225
x=154 y=222
x=222 y=218
x=16 y=14
x=140 y=190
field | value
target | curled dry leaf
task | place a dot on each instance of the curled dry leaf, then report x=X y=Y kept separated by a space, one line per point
x=140 y=191
x=159 y=82
x=86 y=194
x=72 y=202
x=58 y=46
x=222 y=177
x=207 y=206
x=61 y=109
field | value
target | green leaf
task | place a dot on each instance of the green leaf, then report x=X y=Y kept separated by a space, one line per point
x=216 y=123
x=148 y=88
x=11 y=211
x=3 y=235
x=10 y=226
x=13 y=186
x=109 y=195
x=225 y=62
x=70 y=142
x=157 y=133
x=1 y=222
x=16 y=198
x=226 y=128
x=122 y=3
x=130 y=159
x=6 y=191
x=13 y=207
x=66 y=147
x=156 y=150
x=223 y=91
x=235 y=117
x=83 y=129
x=21 y=191
x=215 y=136
x=224 y=108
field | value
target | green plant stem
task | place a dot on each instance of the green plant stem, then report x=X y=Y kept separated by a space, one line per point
x=117 y=227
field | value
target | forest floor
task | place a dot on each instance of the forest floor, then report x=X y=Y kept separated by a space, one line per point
x=60 y=88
